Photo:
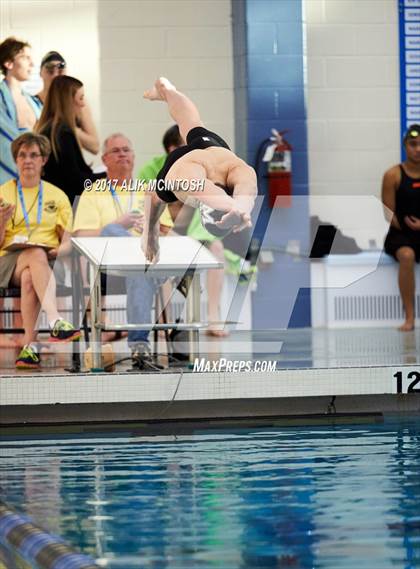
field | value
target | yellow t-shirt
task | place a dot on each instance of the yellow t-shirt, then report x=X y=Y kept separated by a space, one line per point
x=56 y=212
x=97 y=208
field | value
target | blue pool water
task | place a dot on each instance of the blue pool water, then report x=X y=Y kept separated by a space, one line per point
x=325 y=497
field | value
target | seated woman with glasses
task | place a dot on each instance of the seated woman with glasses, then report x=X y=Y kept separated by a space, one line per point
x=35 y=217
x=53 y=64
x=66 y=167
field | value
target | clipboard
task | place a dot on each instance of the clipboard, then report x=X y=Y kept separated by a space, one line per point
x=26 y=245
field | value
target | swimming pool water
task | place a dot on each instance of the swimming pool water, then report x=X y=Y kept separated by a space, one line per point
x=344 y=497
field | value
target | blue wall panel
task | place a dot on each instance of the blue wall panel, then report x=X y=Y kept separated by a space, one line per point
x=284 y=103
x=409 y=31
x=281 y=11
x=276 y=99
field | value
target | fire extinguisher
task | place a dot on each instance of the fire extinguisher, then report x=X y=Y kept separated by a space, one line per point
x=278 y=155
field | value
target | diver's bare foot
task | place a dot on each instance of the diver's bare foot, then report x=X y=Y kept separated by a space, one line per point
x=158 y=91
x=153 y=95
x=408 y=326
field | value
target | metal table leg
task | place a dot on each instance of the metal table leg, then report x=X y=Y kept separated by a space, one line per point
x=75 y=312
x=95 y=315
x=193 y=313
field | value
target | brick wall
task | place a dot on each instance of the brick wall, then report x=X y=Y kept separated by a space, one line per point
x=189 y=41
x=118 y=48
x=352 y=96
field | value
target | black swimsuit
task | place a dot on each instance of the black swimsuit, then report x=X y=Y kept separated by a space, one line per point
x=407 y=202
x=199 y=138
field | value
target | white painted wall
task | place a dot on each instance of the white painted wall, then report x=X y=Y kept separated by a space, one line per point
x=190 y=41
x=67 y=26
x=117 y=48
x=352 y=98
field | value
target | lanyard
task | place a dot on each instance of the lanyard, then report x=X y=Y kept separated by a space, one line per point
x=23 y=206
x=117 y=200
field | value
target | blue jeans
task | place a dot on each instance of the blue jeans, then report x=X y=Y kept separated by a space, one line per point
x=140 y=292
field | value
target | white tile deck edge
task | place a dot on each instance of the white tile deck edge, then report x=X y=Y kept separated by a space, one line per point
x=115 y=388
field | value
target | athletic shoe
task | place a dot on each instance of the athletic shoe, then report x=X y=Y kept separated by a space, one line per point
x=141 y=356
x=28 y=358
x=63 y=331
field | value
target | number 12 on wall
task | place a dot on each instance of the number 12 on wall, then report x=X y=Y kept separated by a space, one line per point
x=408 y=384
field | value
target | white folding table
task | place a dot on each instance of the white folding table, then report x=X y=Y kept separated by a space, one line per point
x=122 y=256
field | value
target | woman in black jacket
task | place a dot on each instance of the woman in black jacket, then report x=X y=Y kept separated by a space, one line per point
x=66 y=167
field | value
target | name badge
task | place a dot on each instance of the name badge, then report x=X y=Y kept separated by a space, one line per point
x=19 y=239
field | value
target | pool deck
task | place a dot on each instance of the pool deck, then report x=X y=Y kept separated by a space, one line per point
x=320 y=373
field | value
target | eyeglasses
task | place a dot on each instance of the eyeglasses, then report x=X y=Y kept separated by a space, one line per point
x=52 y=66
x=123 y=150
x=30 y=155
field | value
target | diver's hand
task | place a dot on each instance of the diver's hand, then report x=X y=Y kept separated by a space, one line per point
x=235 y=219
x=150 y=246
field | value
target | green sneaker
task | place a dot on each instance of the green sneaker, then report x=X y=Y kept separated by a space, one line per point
x=28 y=359
x=63 y=331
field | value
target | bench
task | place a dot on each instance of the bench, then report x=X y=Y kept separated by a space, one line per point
x=358 y=290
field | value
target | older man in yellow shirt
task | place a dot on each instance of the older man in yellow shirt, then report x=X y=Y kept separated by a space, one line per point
x=114 y=207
